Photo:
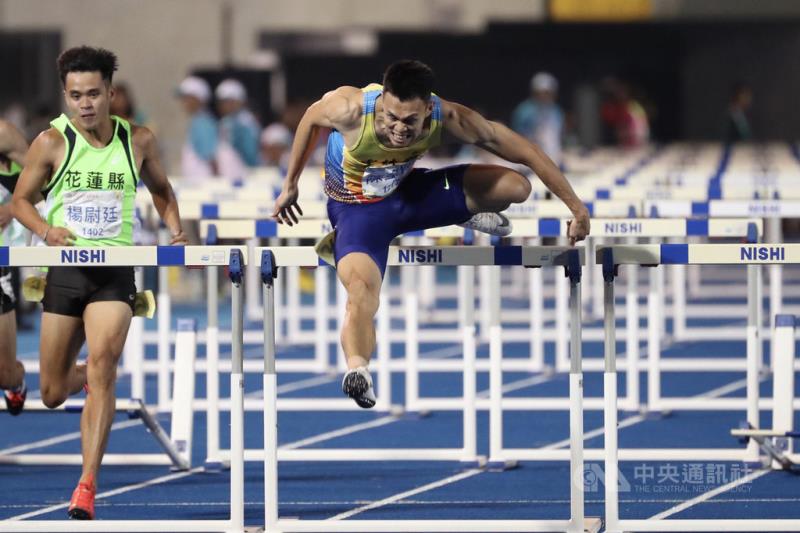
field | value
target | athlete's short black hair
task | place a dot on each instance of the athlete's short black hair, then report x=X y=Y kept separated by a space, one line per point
x=87 y=59
x=408 y=79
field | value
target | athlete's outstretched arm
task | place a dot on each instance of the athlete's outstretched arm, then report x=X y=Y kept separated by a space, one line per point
x=47 y=148
x=12 y=143
x=155 y=179
x=339 y=109
x=470 y=127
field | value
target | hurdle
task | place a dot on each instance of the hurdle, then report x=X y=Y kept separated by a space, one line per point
x=608 y=228
x=176 y=450
x=398 y=256
x=772 y=209
x=200 y=256
x=710 y=254
x=407 y=256
x=655 y=365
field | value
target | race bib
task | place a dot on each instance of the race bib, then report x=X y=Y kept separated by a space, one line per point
x=382 y=181
x=93 y=214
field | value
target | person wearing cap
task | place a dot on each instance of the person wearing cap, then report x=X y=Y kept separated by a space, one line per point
x=276 y=142
x=198 y=158
x=539 y=118
x=239 y=131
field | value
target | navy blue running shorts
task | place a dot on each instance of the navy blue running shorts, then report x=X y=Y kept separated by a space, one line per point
x=425 y=199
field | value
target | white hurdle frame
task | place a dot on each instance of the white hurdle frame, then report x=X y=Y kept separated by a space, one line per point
x=540 y=256
x=773 y=211
x=695 y=254
x=301 y=256
x=201 y=256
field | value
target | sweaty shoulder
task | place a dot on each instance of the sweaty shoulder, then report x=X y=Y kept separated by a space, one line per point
x=450 y=110
x=142 y=136
x=144 y=144
x=342 y=107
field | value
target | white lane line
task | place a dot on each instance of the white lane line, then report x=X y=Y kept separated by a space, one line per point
x=714 y=393
x=304 y=384
x=392 y=499
x=443 y=353
x=62 y=438
x=411 y=503
x=725 y=389
x=390 y=419
x=288 y=387
x=521 y=384
x=110 y=493
x=708 y=495
x=339 y=432
x=295 y=386
x=633 y=420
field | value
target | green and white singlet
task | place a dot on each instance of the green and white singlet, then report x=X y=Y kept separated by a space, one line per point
x=93 y=192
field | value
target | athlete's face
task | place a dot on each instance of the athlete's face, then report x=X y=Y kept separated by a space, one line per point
x=88 y=97
x=402 y=121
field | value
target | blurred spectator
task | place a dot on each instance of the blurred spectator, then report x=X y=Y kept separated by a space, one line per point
x=198 y=159
x=239 y=131
x=123 y=105
x=737 y=126
x=625 y=116
x=539 y=118
x=276 y=144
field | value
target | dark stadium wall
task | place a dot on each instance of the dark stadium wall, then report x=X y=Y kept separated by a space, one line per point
x=681 y=72
x=764 y=56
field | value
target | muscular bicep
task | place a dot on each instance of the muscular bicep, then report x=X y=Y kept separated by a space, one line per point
x=466 y=126
x=152 y=171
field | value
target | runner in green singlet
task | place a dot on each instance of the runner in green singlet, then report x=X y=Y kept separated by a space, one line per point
x=87 y=166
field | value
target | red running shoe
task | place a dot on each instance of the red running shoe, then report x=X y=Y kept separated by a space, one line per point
x=81 y=506
x=15 y=399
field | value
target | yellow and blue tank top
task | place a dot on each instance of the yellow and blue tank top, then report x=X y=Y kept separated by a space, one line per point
x=368 y=171
x=93 y=191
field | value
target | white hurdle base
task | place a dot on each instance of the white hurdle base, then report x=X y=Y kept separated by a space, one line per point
x=115 y=526
x=707 y=525
x=633 y=454
x=361 y=454
x=172 y=454
x=74 y=459
x=591 y=525
x=176 y=446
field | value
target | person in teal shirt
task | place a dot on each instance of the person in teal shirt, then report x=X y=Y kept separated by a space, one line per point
x=539 y=118
x=239 y=131
x=199 y=154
